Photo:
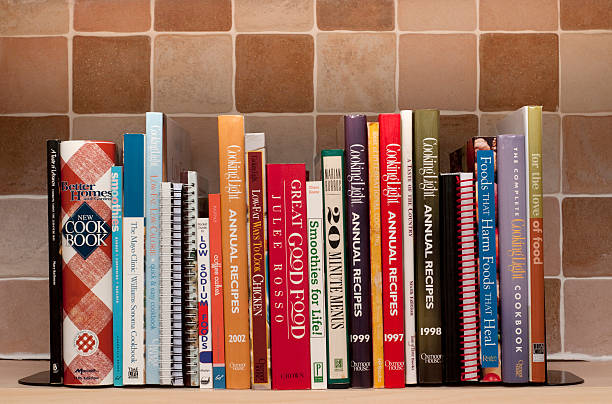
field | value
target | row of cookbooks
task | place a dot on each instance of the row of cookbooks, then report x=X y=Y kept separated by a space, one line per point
x=385 y=273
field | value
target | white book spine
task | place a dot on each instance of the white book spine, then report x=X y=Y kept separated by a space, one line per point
x=318 y=341
x=165 y=266
x=408 y=248
x=133 y=300
x=204 y=313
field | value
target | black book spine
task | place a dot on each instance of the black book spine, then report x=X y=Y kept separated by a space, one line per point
x=358 y=219
x=56 y=370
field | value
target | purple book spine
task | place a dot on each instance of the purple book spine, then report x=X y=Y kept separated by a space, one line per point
x=514 y=280
x=358 y=234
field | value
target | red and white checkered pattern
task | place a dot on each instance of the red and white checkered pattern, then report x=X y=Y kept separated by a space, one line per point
x=87 y=286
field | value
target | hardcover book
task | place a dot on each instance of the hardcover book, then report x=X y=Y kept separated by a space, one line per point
x=117 y=240
x=358 y=209
x=86 y=254
x=429 y=328
x=290 y=326
x=235 y=254
x=332 y=175
x=176 y=284
x=318 y=320
x=204 y=314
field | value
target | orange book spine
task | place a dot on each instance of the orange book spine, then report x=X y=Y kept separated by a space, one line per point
x=235 y=254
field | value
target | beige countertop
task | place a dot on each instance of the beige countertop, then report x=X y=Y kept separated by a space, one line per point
x=596 y=389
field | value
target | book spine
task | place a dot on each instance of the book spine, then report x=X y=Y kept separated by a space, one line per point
x=537 y=319
x=429 y=329
x=235 y=262
x=216 y=265
x=513 y=258
x=376 y=255
x=176 y=285
x=289 y=276
x=204 y=275
x=55 y=262
x=117 y=232
x=487 y=262
x=86 y=248
x=332 y=166
x=408 y=247
x=357 y=215
x=258 y=276
x=318 y=320
x=134 y=175
x=154 y=174
x=134 y=299
x=391 y=239
x=165 y=287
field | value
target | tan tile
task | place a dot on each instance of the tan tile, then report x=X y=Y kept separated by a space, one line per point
x=34 y=74
x=587 y=313
x=516 y=15
x=586 y=14
x=193 y=15
x=111 y=74
x=587 y=142
x=356 y=15
x=488 y=124
x=552 y=291
x=42 y=17
x=181 y=61
x=24 y=321
x=455 y=131
x=330 y=132
x=274 y=15
x=24 y=162
x=517 y=70
x=552 y=226
x=107 y=128
x=112 y=15
x=587 y=244
x=274 y=73
x=423 y=15
x=23 y=241
x=355 y=72
x=437 y=71
x=585 y=73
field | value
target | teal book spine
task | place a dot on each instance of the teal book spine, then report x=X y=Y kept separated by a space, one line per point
x=117 y=257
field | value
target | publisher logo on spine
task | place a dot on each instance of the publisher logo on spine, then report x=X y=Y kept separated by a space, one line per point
x=85 y=231
x=86 y=342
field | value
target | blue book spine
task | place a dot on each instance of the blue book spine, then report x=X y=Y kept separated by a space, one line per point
x=117 y=252
x=134 y=174
x=487 y=263
x=154 y=173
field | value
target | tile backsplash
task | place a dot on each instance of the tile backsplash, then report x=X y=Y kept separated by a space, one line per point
x=89 y=69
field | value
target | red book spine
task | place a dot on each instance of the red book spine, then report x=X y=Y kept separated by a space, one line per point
x=288 y=257
x=391 y=236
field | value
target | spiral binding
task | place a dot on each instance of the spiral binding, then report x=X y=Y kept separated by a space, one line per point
x=468 y=267
x=176 y=298
x=165 y=293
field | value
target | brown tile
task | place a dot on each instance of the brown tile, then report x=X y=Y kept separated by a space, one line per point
x=437 y=71
x=34 y=74
x=24 y=321
x=356 y=15
x=587 y=313
x=586 y=14
x=193 y=15
x=355 y=72
x=517 y=70
x=181 y=61
x=552 y=226
x=424 y=15
x=587 y=244
x=107 y=128
x=112 y=15
x=24 y=162
x=274 y=15
x=289 y=139
x=455 y=131
x=587 y=142
x=488 y=124
x=503 y=15
x=42 y=17
x=111 y=74
x=552 y=291
x=587 y=67
x=23 y=240
x=330 y=135
x=274 y=73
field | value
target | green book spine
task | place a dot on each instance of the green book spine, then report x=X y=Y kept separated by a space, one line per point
x=429 y=330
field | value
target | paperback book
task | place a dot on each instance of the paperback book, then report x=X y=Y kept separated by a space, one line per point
x=204 y=314
x=117 y=259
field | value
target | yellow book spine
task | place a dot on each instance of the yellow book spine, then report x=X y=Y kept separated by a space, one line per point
x=235 y=254
x=375 y=256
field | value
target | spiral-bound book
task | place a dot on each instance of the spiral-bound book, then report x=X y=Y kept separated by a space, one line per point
x=176 y=290
x=165 y=292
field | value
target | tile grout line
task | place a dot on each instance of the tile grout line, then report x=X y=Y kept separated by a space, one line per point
x=315 y=76
x=397 y=56
x=233 y=35
x=562 y=195
x=70 y=41
x=478 y=111
x=24 y=278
